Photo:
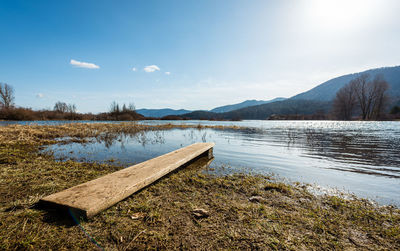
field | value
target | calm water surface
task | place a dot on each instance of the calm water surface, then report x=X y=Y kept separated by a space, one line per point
x=357 y=157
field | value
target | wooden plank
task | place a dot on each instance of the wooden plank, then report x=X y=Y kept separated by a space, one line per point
x=90 y=198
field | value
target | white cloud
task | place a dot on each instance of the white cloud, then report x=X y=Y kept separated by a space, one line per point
x=167 y=72
x=40 y=95
x=151 y=68
x=134 y=69
x=83 y=64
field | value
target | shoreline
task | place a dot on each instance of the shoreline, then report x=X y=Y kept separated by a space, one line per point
x=239 y=211
x=210 y=120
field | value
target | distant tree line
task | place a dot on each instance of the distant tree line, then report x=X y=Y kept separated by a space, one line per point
x=362 y=98
x=61 y=110
x=122 y=112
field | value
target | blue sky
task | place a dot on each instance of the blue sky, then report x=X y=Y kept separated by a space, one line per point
x=199 y=54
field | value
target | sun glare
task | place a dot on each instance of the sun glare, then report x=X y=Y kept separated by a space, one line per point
x=340 y=14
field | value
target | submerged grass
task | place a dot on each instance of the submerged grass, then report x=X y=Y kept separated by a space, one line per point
x=161 y=215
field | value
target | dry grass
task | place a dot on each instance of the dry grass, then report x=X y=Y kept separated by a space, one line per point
x=161 y=216
x=45 y=134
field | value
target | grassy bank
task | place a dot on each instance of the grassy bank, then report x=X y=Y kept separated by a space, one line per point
x=237 y=211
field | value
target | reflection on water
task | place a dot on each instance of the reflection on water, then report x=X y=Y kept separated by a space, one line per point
x=362 y=158
x=360 y=153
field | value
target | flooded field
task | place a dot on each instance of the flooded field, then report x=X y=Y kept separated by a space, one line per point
x=357 y=157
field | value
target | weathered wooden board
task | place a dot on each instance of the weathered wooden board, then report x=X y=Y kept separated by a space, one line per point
x=90 y=198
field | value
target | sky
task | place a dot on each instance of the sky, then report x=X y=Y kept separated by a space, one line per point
x=185 y=54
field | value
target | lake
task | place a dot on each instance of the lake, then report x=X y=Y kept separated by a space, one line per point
x=357 y=157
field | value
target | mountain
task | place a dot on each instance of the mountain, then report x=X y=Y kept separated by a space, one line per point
x=318 y=100
x=264 y=111
x=206 y=115
x=284 y=107
x=228 y=108
x=327 y=90
x=158 y=113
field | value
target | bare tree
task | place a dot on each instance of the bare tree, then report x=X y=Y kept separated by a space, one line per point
x=363 y=94
x=61 y=107
x=380 y=98
x=370 y=96
x=71 y=108
x=131 y=107
x=345 y=102
x=6 y=95
x=114 y=107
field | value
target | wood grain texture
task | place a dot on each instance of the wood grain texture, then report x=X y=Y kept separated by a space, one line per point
x=90 y=198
